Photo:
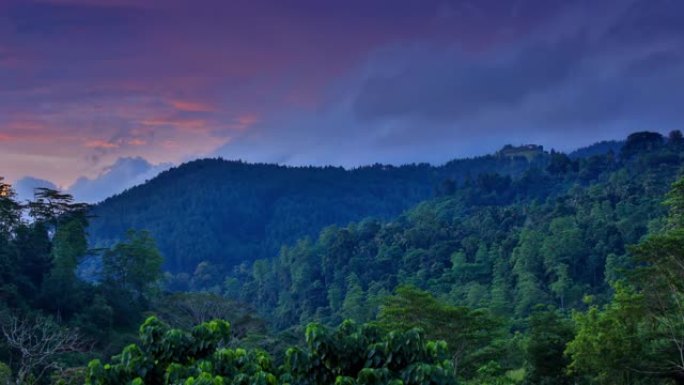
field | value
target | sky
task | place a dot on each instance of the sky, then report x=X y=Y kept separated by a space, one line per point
x=98 y=95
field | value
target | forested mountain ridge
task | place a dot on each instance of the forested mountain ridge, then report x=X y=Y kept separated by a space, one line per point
x=569 y=272
x=551 y=236
x=600 y=148
x=229 y=212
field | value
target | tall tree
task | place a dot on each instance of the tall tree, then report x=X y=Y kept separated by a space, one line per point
x=133 y=265
x=35 y=255
x=62 y=291
x=10 y=209
x=52 y=206
x=610 y=346
x=466 y=331
x=548 y=335
x=39 y=342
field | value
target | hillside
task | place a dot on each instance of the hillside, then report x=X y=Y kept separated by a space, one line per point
x=228 y=212
x=507 y=244
x=220 y=213
x=600 y=148
x=518 y=277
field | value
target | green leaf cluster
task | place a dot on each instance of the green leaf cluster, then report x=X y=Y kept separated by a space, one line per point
x=350 y=354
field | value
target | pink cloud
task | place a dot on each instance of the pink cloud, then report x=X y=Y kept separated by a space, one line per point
x=97 y=3
x=100 y=144
x=244 y=121
x=186 y=76
x=181 y=124
x=19 y=128
x=137 y=142
x=170 y=145
x=189 y=106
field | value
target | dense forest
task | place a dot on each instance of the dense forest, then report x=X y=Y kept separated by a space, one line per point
x=551 y=236
x=228 y=212
x=54 y=318
x=523 y=267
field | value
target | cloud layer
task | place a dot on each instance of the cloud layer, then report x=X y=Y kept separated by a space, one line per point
x=123 y=174
x=86 y=83
x=25 y=187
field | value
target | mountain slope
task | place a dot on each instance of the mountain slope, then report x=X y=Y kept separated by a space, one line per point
x=549 y=237
x=228 y=212
x=600 y=148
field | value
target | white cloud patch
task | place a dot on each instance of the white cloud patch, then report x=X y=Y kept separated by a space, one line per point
x=123 y=174
x=26 y=187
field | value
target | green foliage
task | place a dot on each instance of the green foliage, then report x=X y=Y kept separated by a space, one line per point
x=134 y=265
x=186 y=310
x=364 y=354
x=468 y=333
x=470 y=266
x=351 y=354
x=675 y=202
x=42 y=244
x=498 y=242
x=640 y=142
x=548 y=334
x=69 y=376
x=174 y=356
x=5 y=374
x=492 y=373
x=638 y=336
x=609 y=347
x=62 y=291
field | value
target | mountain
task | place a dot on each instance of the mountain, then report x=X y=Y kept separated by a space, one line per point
x=507 y=244
x=229 y=212
x=512 y=261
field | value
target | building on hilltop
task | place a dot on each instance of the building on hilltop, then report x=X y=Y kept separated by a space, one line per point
x=528 y=151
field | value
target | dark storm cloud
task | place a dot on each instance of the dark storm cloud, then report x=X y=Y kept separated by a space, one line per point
x=452 y=85
x=566 y=79
x=621 y=65
x=647 y=20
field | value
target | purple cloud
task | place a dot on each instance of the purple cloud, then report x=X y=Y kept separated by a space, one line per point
x=86 y=82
